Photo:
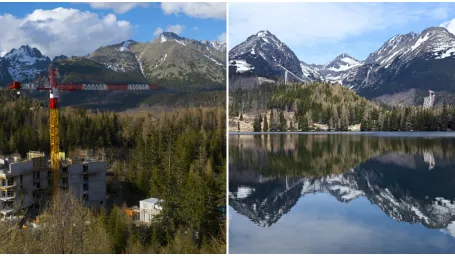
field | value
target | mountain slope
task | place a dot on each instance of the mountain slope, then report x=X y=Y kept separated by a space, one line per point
x=422 y=61
x=5 y=76
x=180 y=63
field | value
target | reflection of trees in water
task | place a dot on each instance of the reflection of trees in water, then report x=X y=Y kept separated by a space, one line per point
x=391 y=172
x=322 y=154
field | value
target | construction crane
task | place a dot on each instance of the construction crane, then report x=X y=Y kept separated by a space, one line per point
x=53 y=87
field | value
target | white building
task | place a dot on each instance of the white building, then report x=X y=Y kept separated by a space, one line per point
x=25 y=183
x=149 y=208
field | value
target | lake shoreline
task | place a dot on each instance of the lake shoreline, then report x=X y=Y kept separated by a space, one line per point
x=375 y=133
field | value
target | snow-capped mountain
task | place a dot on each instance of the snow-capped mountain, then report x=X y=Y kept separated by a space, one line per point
x=264 y=55
x=409 y=61
x=26 y=63
x=424 y=61
x=342 y=68
x=168 y=60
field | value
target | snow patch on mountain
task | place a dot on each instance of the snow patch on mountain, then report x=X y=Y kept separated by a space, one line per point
x=125 y=46
x=160 y=61
x=242 y=66
x=140 y=63
x=215 y=61
x=420 y=41
x=244 y=192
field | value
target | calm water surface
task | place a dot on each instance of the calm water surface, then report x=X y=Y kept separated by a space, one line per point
x=342 y=193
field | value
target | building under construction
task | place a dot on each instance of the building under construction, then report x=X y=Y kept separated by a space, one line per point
x=28 y=182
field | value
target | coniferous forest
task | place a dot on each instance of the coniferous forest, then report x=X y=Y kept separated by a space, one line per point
x=177 y=156
x=300 y=107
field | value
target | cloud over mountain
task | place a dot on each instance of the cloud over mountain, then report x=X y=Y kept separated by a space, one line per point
x=62 y=30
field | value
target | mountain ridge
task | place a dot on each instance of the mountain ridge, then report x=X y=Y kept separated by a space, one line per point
x=423 y=61
x=128 y=62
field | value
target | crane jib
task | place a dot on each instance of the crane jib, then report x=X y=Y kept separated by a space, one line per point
x=87 y=87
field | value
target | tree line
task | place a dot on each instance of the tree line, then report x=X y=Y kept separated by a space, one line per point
x=298 y=107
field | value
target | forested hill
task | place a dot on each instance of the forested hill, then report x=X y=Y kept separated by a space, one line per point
x=323 y=106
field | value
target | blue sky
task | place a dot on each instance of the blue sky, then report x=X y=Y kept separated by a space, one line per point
x=318 y=32
x=84 y=26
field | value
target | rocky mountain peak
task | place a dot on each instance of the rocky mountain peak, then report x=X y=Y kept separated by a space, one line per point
x=24 y=54
x=342 y=62
x=265 y=55
x=26 y=63
x=264 y=33
x=61 y=57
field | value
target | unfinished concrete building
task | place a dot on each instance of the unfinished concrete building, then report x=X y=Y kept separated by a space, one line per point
x=27 y=182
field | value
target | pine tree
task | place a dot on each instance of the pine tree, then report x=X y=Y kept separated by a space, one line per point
x=265 y=127
x=309 y=120
x=256 y=124
x=283 y=122
x=336 y=119
x=444 y=118
x=366 y=123
x=344 y=119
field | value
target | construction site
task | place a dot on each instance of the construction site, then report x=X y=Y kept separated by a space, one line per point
x=28 y=183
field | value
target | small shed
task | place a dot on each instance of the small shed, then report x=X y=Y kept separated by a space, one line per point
x=149 y=208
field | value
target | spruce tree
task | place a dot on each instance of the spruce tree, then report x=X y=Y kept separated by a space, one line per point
x=265 y=127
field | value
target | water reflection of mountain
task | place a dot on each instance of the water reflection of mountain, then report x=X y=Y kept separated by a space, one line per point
x=409 y=182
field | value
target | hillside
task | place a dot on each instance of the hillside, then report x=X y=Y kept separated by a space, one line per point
x=300 y=107
x=182 y=64
x=323 y=106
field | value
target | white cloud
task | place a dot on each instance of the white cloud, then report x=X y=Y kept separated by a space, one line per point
x=175 y=29
x=222 y=37
x=117 y=7
x=196 y=10
x=195 y=28
x=62 y=31
x=449 y=25
x=304 y=24
x=158 y=31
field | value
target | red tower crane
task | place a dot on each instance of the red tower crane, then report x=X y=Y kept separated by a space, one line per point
x=54 y=89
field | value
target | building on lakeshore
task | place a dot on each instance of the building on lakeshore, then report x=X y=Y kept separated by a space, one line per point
x=27 y=182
